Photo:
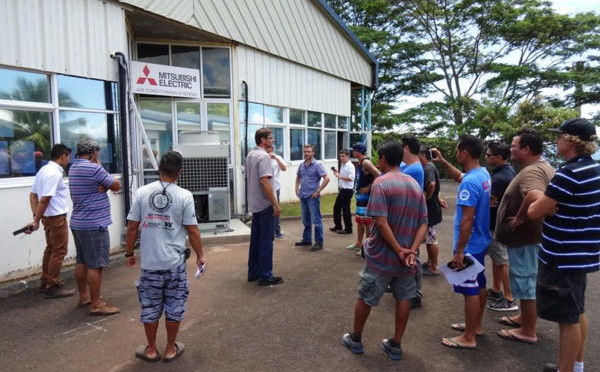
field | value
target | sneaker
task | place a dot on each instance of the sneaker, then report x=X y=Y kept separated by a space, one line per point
x=353 y=346
x=491 y=295
x=316 y=247
x=58 y=292
x=274 y=280
x=279 y=236
x=302 y=243
x=415 y=302
x=503 y=305
x=550 y=367
x=394 y=352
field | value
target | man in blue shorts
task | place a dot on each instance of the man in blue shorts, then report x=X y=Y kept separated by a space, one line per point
x=399 y=212
x=88 y=184
x=166 y=215
x=471 y=233
x=570 y=240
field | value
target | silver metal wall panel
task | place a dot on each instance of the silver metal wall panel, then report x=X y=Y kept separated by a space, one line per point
x=73 y=37
x=296 y=30
x=275 y=81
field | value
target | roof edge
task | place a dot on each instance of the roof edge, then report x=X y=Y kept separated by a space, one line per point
x=354 y=38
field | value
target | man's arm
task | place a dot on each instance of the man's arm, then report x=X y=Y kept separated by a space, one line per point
x=280 y=162
x=297 y=185
x=382 y=225
x=542 y=207
x=33 y=201
x=196 y=242
x=38 y=212
x=369 y=168
x=466 y=228
x=450 y=169
x=521 y=216
x=321 y=187
x=429 y=189
x=130 y=239
x=116 y=185
x=267 y=190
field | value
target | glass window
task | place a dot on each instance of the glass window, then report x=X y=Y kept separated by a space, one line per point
x=216 y=72
x=103 y=128
x=256 y=113
x=218 y=119
x=251 y=143
x=87 y=93
x=188 y=116
x=24 y=86
x=153 y=53
x=314 y=119
x=342 y=122
x=273 y=114
x=184 y=56
x=158 y=122
x=24 y=142
x=330 y=145
x=329 y=121
x=297 y=117
x=314 y=138
x=296 y=144
x=278 y=143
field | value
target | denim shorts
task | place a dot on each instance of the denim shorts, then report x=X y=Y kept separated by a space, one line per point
x=498 y=252
x=372 y=286
x=163 y=289
x=560 y=294
x=523 y=271
x=472 y=286
x=92 y=247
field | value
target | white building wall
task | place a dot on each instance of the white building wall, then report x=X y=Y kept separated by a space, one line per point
x=73 y=37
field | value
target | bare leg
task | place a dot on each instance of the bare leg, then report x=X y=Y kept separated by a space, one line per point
x=472 y=316
x=506 y=283
x=361 y=313
x=432 y=257
x=583 y=325
x=172 y=329
x=528 y=320
x=497 y=278
x=360 y=230
x=571 y=344
x=151 y=329
x=482 y=302
x=94 y=279
x=82 y=283
x=402 y=312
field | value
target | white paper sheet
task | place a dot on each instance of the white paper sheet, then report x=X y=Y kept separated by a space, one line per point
x=459 y=277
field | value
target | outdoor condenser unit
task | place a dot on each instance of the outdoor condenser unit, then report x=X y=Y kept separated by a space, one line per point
x=206 y=175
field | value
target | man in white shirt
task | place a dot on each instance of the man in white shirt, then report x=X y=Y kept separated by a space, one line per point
x=342 y=203
x=278 y=166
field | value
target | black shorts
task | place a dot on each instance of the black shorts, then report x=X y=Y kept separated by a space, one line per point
x=560 y=294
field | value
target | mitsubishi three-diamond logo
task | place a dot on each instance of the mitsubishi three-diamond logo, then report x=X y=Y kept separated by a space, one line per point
x=142 y=80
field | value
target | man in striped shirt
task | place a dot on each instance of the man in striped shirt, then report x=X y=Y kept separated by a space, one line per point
x=399 y=213
x=88 y=184
x=570 y=240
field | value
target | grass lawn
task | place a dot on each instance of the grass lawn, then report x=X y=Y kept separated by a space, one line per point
x=327 y=202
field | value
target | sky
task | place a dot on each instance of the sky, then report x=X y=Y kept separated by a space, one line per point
x=561 y=6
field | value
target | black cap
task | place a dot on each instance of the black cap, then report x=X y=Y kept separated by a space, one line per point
x=581 y=128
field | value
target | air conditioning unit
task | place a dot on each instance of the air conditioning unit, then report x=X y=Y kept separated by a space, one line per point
x=205 y=174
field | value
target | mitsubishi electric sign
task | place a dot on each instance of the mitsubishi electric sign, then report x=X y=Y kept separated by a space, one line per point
x=161 y=80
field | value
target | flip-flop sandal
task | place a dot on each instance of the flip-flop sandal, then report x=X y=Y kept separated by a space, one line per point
x=180 y=347
x=456 y=345
x=461 y=328
x=105 y=310
x=508 y=321
x=84 y=304
x=352 y=247
x=140 y=353
x=428 y=272
x=508 y=335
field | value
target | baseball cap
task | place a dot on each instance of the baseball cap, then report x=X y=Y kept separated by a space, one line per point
x=86 y=146
x=360 y=147
x=579 y=127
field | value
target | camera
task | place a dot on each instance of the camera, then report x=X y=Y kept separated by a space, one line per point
x=333 y=169
x=432 y=154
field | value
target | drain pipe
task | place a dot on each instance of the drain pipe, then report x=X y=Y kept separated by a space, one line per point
x=124 y=115
x=245 y=146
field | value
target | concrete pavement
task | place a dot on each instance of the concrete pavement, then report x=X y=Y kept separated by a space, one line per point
x=232 y=325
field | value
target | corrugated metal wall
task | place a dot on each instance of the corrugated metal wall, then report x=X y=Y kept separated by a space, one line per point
x=73 y=37
x=278 y=82
x=297 y=30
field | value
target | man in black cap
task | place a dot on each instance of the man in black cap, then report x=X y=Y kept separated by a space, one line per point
x=570 y=247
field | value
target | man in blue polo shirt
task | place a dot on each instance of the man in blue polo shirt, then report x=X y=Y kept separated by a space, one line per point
x=308 y=189
x=88 y=184
x=570 y=240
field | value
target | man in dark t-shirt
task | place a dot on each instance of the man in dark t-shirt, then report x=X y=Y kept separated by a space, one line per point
x=431 y=190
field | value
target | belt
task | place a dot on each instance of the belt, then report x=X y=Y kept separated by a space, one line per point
x=58 y=215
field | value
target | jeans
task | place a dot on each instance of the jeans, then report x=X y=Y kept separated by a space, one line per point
x=311 y=215
x=260 y=257
x=342 y=205
x=276 y=219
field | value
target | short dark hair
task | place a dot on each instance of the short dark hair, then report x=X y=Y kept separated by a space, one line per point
x=412 y=142
x=345 y=152
x=170 y=163
x=392 y=151
x=309 y=145
x=531 y=138
x=499 y=148
x=470 y=144
x=262 y=133
x=59 y=150
x=424 y=150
